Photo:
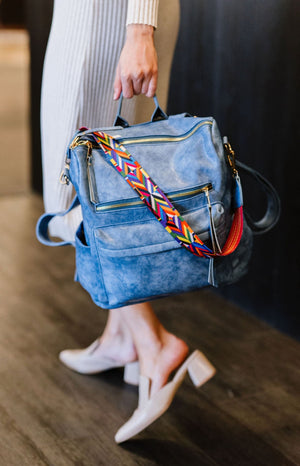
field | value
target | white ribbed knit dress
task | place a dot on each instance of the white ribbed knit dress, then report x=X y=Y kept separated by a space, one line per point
x=83 y=50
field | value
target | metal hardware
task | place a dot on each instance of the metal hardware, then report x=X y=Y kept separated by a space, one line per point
x=64 y=179
x=230 y=155
x=74 y=143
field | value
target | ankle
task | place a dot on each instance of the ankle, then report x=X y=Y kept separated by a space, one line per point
x=174 y=351
x=150 y=340
x=111 y=333
x=159 y=359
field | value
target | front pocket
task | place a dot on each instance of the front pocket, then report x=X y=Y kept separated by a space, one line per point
x=124 y=231
x=141 y=261
x=150 y=273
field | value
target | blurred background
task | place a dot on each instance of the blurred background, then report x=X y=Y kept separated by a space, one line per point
x=14 y=99
x=236 y=61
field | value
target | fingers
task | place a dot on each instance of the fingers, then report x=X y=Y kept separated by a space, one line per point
x=127 y=87
x=117 y=84
x=139 y=84
x=131 y=86
x=152 y=86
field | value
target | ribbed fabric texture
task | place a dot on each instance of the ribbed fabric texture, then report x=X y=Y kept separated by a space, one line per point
x=142 y=12
x=83 y=50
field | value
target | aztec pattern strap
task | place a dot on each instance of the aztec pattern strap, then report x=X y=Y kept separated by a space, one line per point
x=159 y=204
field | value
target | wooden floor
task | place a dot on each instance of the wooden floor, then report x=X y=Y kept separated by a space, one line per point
x=14 y=111
x=247 y=415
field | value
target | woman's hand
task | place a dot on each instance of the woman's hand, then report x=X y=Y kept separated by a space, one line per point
x=137 y=68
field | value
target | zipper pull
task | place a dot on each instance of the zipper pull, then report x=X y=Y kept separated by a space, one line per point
x=211 y=276
x=65 y=176
x=89 y=151
x=90 y=173
x=213 y=233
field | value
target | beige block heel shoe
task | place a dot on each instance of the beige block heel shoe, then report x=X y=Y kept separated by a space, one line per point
x=149 y=409
x=85 y=361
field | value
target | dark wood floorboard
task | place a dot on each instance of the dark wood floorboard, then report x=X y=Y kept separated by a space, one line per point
x=247 y=415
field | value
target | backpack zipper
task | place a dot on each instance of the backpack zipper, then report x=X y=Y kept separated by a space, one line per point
x=173 y=196
x=146 y=139
x=78 y=140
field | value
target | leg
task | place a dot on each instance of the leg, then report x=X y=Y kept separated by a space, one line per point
x=159 y=351
x=115 y=348
x=116 y=340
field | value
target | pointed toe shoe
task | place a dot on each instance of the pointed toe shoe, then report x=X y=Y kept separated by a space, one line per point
x=87 y=361
x=151 y=408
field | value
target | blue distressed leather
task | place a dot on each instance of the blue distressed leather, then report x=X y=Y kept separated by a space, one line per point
x=123 y=254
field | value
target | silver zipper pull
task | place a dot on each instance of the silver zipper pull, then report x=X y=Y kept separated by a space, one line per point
x=91 y=174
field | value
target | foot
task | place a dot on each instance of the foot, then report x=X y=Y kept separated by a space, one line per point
x=103 y=354
x=152 y=407
x=116 y=342
x=159 y=361
x=116 y=347
x=114 y=350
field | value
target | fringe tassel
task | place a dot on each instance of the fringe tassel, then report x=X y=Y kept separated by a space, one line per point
x=213 y=233
x=211 y=278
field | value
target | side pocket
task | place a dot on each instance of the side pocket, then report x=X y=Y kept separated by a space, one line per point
x=88 y=272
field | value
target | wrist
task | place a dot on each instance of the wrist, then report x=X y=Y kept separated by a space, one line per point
x=136 y=31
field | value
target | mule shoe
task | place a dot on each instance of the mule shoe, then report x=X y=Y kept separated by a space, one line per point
x=149 y=409
x=85 y=361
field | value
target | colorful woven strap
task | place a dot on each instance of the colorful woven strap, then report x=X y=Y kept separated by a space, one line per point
x=159 y=204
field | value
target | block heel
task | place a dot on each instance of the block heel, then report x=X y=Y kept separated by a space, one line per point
x=200 y=369
x=132 y=373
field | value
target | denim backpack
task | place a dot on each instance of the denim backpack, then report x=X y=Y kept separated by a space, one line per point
x=162 y=209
